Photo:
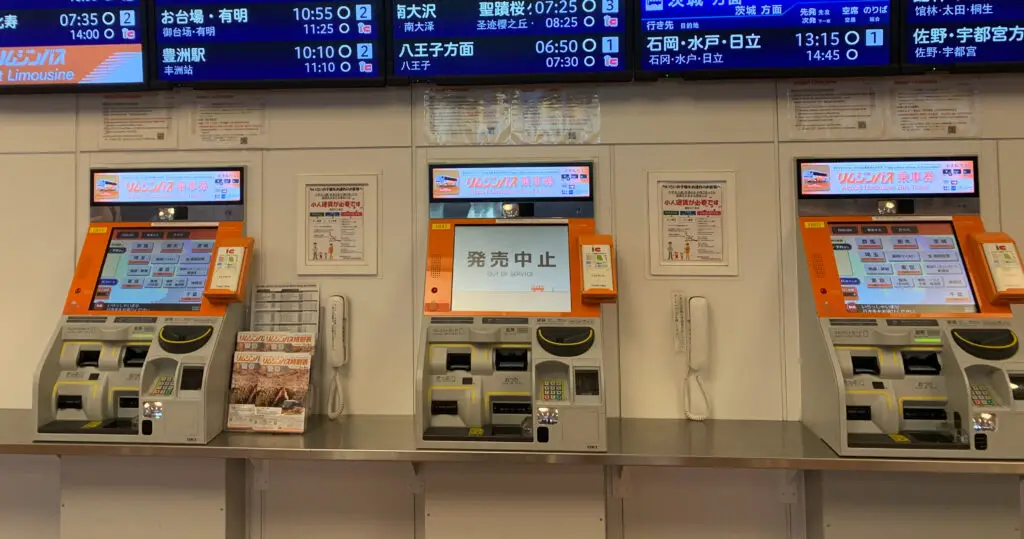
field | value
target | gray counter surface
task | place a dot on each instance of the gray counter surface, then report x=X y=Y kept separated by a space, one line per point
x=779 y=445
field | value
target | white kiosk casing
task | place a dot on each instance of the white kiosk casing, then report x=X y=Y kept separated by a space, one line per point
x=143 y=351
x=511 y=354
x=903 y=353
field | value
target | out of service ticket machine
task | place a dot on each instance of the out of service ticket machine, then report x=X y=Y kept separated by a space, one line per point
x=907 y=340
x=511 y=348
x=143 y=350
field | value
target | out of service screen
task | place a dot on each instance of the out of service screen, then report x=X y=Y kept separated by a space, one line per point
x=901 y=268
x=154 y=269
x=511 y=268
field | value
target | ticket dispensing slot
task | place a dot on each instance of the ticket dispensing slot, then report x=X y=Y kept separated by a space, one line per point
x=864 y=363
x=457 y=360
x=69 y=402
x=512 y=359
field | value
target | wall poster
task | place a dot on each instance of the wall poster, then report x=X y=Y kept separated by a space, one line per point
x=338 y=222
x=692 y=223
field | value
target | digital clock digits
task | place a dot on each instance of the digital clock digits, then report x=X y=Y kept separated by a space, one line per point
x=762 y=35
x=474 y=39
x=337 y=41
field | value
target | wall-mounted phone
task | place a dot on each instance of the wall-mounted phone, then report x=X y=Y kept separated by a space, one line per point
x=692 y=337
x=336 y=352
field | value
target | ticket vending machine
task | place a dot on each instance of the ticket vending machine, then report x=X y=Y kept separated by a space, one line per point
x=907 y=341
x=511 y=352
x=142 y=353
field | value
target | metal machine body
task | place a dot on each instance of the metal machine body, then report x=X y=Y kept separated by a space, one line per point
x=142 y=353
x=501 y=367
x=902 y=355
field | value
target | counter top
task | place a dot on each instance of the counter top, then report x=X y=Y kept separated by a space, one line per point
x=782 y=445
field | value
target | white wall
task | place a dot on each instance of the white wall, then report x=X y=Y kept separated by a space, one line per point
x=48 y=144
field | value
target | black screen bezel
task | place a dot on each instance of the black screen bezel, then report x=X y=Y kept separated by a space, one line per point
x=276 y=84
x=92 y=186
x=892 y=68
x=974 y=158
x=959 y=248
x=626 y=75
x=433 y=166
x=145 y=28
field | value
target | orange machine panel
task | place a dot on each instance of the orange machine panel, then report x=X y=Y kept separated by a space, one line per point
x=242 y=247
x=437 y=293
x=824 y=273
x=86 y=279
x=604 y=246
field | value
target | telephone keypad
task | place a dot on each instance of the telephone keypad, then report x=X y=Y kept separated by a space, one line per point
x=554 y=390
x=981 y=395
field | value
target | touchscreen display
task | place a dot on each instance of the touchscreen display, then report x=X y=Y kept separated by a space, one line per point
x=901 y=268
x=511 y=268
x=153 y=269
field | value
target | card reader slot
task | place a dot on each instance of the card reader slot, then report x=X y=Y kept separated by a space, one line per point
x=444 y=407
x=866 y=365
x=921 y=363
x=511 y=359
x=458 y=361
x=69 y=402
x=88 y=358
x=134 y=356
x=924 y=414
x=858 y=413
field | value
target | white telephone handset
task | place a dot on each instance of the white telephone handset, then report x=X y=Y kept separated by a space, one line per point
x=699 y=357
x=336 y=352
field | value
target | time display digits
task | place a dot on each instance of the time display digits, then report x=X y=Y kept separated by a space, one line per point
x=214 y=41
x=42 y=42
x=709 y=35
x=474 y=38
x=963 y=32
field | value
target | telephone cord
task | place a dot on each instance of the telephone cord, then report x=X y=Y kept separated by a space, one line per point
x=692 y=377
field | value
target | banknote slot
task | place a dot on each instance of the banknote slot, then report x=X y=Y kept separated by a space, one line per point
x=458 y=361
x=511 y=359
x=135 y=356
x=866 y=365
x=921 y=363
x=128 y=403
x=88 y=358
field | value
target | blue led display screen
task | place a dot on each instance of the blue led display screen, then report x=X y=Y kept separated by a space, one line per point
x=262 y=40
x=493 y=39
x=943 y=32
x=71 y=43
x=723 y=35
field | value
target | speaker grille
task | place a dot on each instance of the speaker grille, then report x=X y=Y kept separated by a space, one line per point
x=817 y=266
x=434 y=265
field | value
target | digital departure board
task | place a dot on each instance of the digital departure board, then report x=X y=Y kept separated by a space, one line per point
x=763 y=36
x=510 y=39
x=947 y=32
x=73 y=43
x=262 y=41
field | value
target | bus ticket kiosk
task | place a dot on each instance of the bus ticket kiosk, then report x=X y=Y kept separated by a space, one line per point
x=142 y=353
x=511 y=347
x=907 y=340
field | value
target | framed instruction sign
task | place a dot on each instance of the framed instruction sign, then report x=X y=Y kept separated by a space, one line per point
x=692 y=223
x=338 y=224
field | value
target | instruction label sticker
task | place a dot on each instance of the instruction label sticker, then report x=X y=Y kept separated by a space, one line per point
x=899 y=438
x=815 y=224
x=476 y=431
x=97 y=230
x=92 y=424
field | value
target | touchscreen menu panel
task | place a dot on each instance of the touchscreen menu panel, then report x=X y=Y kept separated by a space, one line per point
x=901 y=268
x=153 y=269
